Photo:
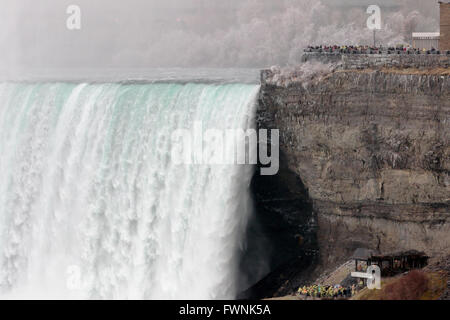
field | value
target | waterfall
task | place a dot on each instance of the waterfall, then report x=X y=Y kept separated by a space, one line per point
x=91 y=205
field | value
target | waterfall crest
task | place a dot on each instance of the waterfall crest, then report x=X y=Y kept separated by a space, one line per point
x=91 y=205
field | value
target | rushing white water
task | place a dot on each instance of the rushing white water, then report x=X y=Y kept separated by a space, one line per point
x=91 y=205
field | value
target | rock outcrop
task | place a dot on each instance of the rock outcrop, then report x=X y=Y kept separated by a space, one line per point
x=372 y=149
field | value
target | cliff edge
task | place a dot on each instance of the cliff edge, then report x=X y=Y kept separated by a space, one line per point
x=371 y=146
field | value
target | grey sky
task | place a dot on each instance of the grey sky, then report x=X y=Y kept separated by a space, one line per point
x=191 y=33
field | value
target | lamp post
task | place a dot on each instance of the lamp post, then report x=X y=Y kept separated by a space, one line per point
x=374 y=20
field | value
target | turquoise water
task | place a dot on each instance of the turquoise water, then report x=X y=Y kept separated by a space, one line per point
x=92 y=205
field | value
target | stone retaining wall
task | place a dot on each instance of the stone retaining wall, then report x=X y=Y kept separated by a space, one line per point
x=363 y=61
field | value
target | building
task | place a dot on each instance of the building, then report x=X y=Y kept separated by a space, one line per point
x=362 y=255
x=445 y=25
x=425 y=40
x=390 y=264
x=436 y=40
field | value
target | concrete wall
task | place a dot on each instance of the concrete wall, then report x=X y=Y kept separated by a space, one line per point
x=426 y=43
x=445 y=26
x=362 y=61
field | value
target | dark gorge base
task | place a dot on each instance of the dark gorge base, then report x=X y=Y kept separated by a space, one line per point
x=286 y=224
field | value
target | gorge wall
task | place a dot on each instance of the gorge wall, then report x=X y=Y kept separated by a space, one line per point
x=371 y=149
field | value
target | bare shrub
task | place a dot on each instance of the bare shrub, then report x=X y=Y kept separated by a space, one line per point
x=410 y=287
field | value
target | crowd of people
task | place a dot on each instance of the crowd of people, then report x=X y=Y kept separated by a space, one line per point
x=401 y=49
x=327 y=292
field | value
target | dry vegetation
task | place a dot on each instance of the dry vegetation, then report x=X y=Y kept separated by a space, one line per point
x=416 y=285
x=410 y=287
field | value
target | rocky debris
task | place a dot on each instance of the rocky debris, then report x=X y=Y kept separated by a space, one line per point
x=284 y=280
x=446 y=294
x=338 y=276
x=442 y=265
x=303 y=73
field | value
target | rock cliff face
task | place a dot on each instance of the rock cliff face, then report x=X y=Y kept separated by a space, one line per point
x=371 y=148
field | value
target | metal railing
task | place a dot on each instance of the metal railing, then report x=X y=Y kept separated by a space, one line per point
x=337 y=50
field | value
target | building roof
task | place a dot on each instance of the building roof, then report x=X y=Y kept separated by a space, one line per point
x=363 y=254
x=409 y=253
x=426 y=35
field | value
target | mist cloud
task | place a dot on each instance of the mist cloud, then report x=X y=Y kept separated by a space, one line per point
x=194 y=33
